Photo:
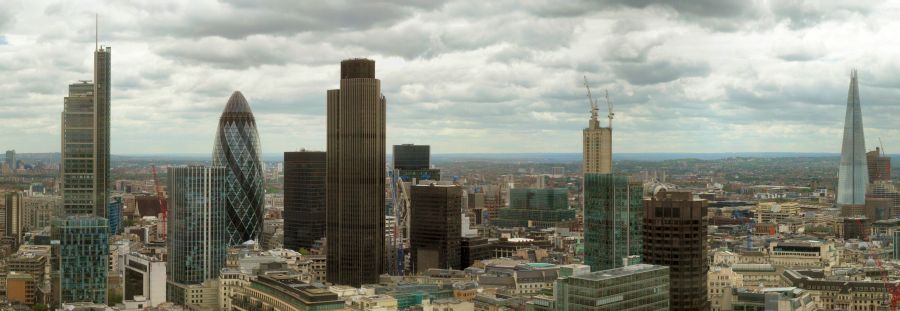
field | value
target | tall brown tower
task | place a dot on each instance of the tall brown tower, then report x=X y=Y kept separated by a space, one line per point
x=355 y=173
x=675 y=236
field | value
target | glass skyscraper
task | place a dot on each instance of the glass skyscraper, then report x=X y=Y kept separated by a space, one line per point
x=196 y=233
x=613 y=220
x=853 y=173
x=237 y=149
x=83 y=230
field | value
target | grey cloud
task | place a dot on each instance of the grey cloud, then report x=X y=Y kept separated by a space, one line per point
x=660 y=71
x=806 y=13
x=238 y=18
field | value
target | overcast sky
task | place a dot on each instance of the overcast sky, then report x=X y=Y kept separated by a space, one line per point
x=463 y=76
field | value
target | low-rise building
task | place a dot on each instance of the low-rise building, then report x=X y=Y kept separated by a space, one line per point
x=634 y=287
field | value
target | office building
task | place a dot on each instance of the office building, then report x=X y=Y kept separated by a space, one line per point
x=304 y=199
x=409 y=156
x=277 y=292
x=355 y=176
x=435 y=227
x=613 y=220
x=535 y=208
x=40 y=209
x=675 y=228
x=636 y=287
x=597 y=146
x=879 y=165
x=196 y=240
x=11 y=160
x=114 y=214
x=853 y=174
x=145 y=279
x=237 y=149
x=15 y=218
x=83 y=257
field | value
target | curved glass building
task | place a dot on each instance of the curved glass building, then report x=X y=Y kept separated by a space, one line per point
x=237 y=149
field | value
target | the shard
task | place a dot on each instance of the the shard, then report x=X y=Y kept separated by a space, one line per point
x=853 y=175
x=237 y=149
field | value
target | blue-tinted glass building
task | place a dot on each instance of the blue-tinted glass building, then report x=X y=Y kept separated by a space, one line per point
x=83 y=257
x=613 y=220
x=115 y=215
x=237 y=149
x=196 y=240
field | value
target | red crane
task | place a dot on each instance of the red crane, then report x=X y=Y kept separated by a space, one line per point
x=160 y=195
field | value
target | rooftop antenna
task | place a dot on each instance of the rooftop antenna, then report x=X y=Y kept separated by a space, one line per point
x=591 y=100
x=610 y=105
x=882 y=146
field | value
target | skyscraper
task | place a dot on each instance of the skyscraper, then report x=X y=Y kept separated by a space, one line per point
x=304 y=198
x=355 y=176
x=597 y=146
x=237 y=149
x=435 y=227
x=15 y=217
x=613 y=207
x=613 y=221
x=196 y=239
x=853 y=174
x=879 y=165
x=83 y=230
x=11 y=160
x=409 y=156
x=675 y=228
x=79 y=149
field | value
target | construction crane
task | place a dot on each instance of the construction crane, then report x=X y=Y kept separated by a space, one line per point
x=160 y=195
x=892 y=289
x=609 y=105
x=591 y=100
x=882 y=146
x=594 y=107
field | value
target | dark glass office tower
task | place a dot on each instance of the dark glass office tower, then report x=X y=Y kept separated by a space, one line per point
x=237 y=149
x=196 y=233
x=613 y=221
x=355 y=176
x=413 y=157
x=304 y=198
x=102 y=80
x=675 y=227
x=435 y=227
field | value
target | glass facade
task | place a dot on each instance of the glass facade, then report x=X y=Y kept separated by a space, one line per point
x=115 y=215
x=196 y=236
x=637 y=287
x=83 y=258
x=540 y=208
x=613 y=220
x=304 y=199
x=237 y=149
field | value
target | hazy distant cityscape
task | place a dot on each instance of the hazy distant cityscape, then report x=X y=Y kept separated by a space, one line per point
x=422 y=177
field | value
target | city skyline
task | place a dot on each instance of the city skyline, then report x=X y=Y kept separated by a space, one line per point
x=698 y=60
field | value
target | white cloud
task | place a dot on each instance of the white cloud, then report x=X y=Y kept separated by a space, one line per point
x=463 y=76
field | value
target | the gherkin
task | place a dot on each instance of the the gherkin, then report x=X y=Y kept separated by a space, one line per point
x=237 y=149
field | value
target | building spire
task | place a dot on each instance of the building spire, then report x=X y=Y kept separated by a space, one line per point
x=853 y=172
